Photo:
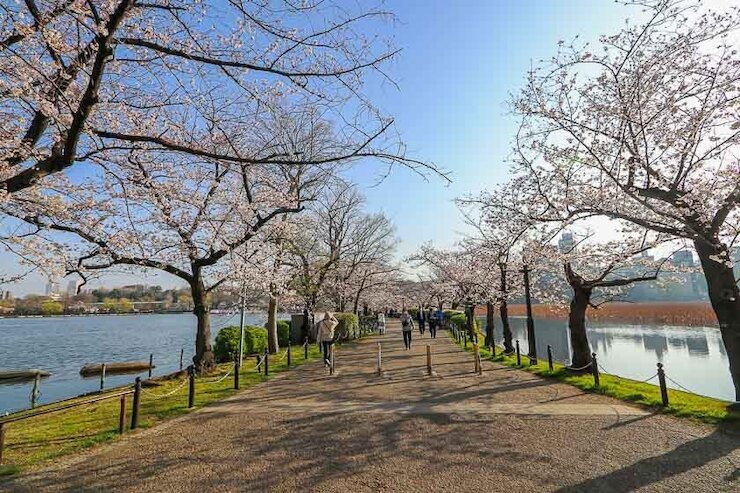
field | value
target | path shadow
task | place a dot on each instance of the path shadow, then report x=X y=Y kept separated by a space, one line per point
x=683 y=458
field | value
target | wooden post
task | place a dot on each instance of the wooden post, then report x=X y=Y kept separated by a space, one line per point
x=135 y=405
x=191 y=386
x=182 y=353
x=549 y=357
x=331 y=360
x=305 y=349
x=35 y=390
x=465 y=335
x=237 y=369
x=380 y=360
x=151 y=363
x=429 y=360
x=102 y=376
x=476 y=353
x=663 y=387
x=289 y=342
x=595 y=369
x=518 y=354
x=2 y=441
x=122 y=415
x=267 y=368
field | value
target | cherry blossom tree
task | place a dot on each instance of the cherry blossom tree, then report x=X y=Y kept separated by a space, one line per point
x=644 y=128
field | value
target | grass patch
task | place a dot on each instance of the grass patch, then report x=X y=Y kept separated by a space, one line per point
x=684 y=404
x=34 y=440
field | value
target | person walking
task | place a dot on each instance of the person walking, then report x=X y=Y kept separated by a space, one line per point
x=325 y=335
x=432 y=325
x=407 y=325
x=420 y=318
x=381 y=323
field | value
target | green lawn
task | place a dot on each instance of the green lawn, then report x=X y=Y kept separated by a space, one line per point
x=705 y=409
x=37 y=439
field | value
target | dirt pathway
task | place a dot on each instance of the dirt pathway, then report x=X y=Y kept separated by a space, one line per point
x=405 y=431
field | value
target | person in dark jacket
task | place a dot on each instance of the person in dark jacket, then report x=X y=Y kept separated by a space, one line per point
x=420 y=319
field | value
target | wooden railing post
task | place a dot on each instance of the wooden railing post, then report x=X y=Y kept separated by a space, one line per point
x=135 y=404
x=518 y=354
x=102 y=376
x=2 y=441
x=191 y=386
x=35 y=390
x=182 y=353
x=266 y=360
x=595 y=370
x=237 y=369
x=429 y=360
x=331 y=360
x=122 y=415
x=289 y=343
x=151 y=363
x=380 y=360
x=305 y=349
x=663 y=387
x=549 y=357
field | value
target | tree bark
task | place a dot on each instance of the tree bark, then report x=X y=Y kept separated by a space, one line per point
x=724 y=295
x=203 y=359
x=577 y=326
x=490 y=320
x=272 y=332
x=504 y=311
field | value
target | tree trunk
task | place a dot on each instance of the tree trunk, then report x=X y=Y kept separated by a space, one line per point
x=203 y=359
x=724 y=295
x=454 y=305
x=504 y=311
x=577 y=326
x=490 y=318
x=272 y=332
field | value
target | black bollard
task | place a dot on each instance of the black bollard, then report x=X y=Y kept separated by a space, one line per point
x=191 y=388
x=518 y=354
x=663 y=387
x=236 y=372
x=288 y=352
x=267 y=368
x=595 y=369
x=135 y=405
x=549 y=358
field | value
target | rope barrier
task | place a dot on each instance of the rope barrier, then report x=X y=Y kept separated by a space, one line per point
x=160 y=396
x=579 y=369
x=221 y=379
x=681 y=386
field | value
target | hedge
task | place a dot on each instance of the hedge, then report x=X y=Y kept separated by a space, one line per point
x=349 y=326
x=227 y=342
x=283 y=329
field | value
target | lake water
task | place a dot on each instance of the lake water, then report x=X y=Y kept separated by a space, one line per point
x=692 y=356
x=62 y=345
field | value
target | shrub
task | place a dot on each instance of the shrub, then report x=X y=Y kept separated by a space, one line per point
x=349 y=325
x=227 y=342
x=283 y=330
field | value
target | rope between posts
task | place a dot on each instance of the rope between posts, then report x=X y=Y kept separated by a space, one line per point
x=283 y=356
x=221 y=379
x=581 y=368
x=160 y=396
x=681 y=386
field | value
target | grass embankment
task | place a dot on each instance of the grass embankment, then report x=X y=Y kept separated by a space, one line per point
x=685 y=404
x=695 y=314
x=37 y=439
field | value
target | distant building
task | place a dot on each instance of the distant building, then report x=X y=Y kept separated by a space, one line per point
x=72 y=287
x=566 y=243
x=52 y=290
x=683 y=258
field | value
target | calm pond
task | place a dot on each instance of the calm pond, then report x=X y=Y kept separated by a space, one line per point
x=694 y=356
x=62 y=345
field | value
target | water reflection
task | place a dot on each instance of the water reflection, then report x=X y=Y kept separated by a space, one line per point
x=693 y=356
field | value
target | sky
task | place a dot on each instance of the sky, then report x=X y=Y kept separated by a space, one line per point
x=460 y=62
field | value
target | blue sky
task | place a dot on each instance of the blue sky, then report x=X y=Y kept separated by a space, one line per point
x=460 y=62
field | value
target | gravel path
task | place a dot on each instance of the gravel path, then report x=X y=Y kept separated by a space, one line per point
x=356 y=431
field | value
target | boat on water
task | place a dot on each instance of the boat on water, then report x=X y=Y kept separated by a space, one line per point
x=115 y=368
x=13 y=376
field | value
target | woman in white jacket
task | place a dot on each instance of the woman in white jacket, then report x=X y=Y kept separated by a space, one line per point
x=325 y=335
x=381 y=323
